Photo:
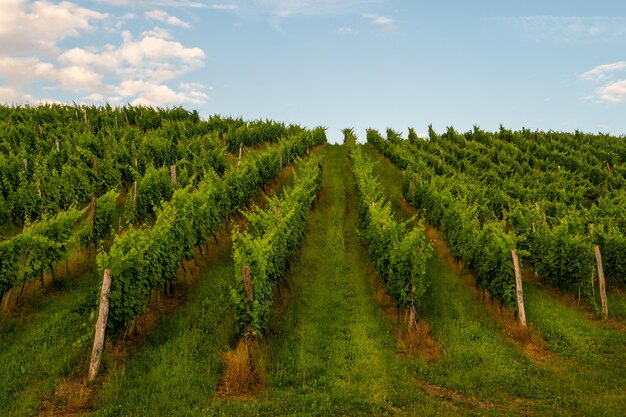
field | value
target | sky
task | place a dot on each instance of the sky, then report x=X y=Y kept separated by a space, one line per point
x=556 y=64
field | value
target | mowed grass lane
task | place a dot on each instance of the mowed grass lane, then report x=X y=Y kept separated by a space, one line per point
x=330 y=350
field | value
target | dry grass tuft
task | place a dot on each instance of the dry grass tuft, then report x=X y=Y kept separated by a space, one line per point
x=413 y=337
x=243 y=371
x=70 y=398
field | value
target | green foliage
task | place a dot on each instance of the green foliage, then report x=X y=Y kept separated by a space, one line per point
x=154 y=188
x=149 y=257
x=27 y=255
x=53 y=157
x=542 y=189
x=271 y=239
x=398 y=252
x=103 y=222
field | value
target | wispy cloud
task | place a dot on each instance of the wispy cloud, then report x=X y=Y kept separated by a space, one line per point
x=613 y=90
x=287 y=8
x=565 y=29
x=223 y=6
x=161 y=16
x=346 y=31
x=601 y=71
x=154 y=3
x=385 y=22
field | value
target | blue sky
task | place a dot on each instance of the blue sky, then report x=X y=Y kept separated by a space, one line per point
x=557 y=65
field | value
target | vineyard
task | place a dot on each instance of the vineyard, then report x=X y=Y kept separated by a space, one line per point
x=154 y=262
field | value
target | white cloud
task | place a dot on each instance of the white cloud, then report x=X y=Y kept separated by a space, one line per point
x=38 y=101
x=153 y=3
x=141 y=65
x=76 y=78
x=9 y=94
x=161 y=16
x=147 y=62
x=564 y=29
x=152 y=57
x=387 y=23
x=224 y=7
x=601 y=71
x=153 y=94
x=346 y=31
x=611 y=93
x=36 y=27
x=94 y=97
x=287 y=8
x=22 y=71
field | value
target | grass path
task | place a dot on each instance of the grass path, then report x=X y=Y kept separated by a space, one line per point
x=331 y=351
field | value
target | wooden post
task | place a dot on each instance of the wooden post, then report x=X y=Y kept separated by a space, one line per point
x=521 y=312
x=173 y=173
x=6 y=299
x=247 y=283
x=601 y=282
x=56 y=144
x=412 y=313
x=240 y=152
x=92 y=210
x=25 y=162
x=101 y=325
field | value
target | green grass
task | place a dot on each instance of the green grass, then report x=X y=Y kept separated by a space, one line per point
x=331 y=350
x=617 y=305
x=179 y=366
x=41 y=347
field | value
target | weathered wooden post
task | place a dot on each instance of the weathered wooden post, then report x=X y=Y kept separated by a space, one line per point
x=247 y=283
x=601 y=282
x=521 y=311
x=101 y=325
x=412 y=316
x=56 y=144
x=240 y=152
x=92 y=210
x=252 y=339
x=135 y=184
x=173 y=173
